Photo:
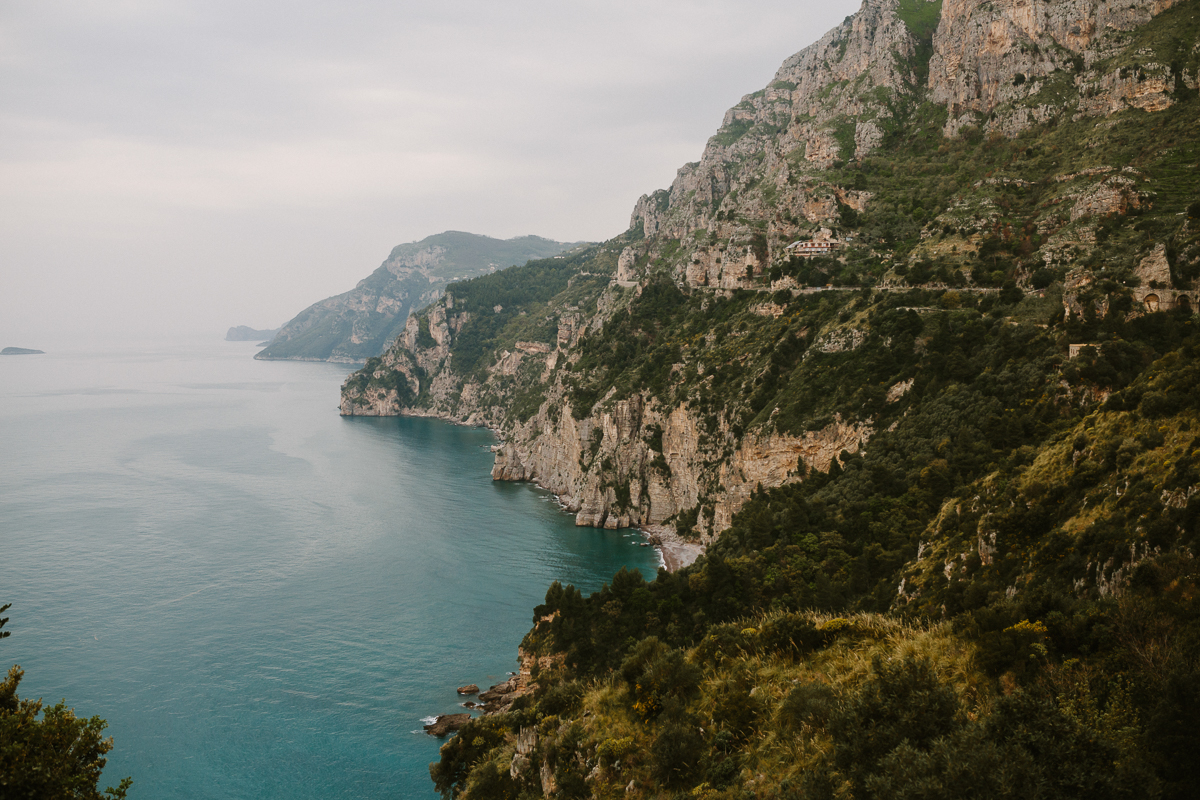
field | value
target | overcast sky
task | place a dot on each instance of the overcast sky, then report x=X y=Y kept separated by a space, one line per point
x=180 y=167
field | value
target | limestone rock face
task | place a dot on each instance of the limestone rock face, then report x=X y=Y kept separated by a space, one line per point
x=1154 y=270
x=801 y=111
x=634 y=458
x=371 y=403
x=630 y=462
x=990 y=63
x=568 y=328
x=982 y=46
x=411 y=328
x=626 y=264
x=568 y=456
x=773 y=460
x=1114 y=195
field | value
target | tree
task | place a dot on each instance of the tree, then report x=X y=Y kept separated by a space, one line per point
x=57 y=756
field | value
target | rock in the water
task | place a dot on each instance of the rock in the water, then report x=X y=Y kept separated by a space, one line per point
x=470 y=688
x=447 y=723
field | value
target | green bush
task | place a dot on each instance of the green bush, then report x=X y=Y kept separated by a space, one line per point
x=807 y=704
x=676 y=752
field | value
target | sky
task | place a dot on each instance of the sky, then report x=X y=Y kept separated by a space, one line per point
x=181 y=167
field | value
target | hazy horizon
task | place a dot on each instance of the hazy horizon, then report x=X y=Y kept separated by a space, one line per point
x=178 y=168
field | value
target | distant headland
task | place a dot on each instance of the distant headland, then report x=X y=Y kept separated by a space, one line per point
x=242 y=333
x=20 y=351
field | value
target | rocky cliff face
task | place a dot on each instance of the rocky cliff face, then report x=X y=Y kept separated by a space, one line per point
x=1001 y=66
x=916 y=334
x=631 y=462
x=830 y=102
x=990 y=55
x=866 y=143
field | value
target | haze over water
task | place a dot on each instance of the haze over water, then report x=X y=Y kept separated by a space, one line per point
x=261 y=597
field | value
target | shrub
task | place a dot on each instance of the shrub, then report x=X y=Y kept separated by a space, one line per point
x=676 y=752
x=790 y=634
x=903 y=702
x=560 y=698
x=810 y=704
x=735 y=709
x=1043 y=278
x=612 y=750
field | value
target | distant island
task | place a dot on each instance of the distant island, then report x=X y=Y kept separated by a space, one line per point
x=242 y=333
x=361 y=323
x=20 y=351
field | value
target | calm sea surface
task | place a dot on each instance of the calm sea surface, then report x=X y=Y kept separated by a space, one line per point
x=261 y=597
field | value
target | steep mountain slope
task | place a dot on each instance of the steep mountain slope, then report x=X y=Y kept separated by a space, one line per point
x=361 y=323
x=915 y=337
x=674 y=372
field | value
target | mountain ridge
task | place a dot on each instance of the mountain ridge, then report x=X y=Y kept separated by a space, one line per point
x=725 y=226
x=360 y=323
x=911 y=354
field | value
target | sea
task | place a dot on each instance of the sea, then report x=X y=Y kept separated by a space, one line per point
x=262 y=598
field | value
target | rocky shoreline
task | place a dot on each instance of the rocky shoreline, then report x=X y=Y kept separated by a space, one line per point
x=496 y=700
x=676 y=552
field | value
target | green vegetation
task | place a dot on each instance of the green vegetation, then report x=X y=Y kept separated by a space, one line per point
x=339 y=329
x=993 y=591
x=764 y=665
x=813 y=705
x=497 y=302
x=921 y=17
x=732 y=132
x=468 y=254
x=48 y=752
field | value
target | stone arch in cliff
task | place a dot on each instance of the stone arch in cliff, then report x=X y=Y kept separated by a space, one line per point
x=1183 y=303
x=1151 y=302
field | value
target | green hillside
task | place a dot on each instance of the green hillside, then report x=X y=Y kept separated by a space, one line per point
x=353 y=326
x=976 y=575
x=469 y=254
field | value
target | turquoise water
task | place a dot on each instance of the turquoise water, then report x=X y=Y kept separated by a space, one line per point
x=261 y=597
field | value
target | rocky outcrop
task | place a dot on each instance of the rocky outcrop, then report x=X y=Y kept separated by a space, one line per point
x=631 y=462
x=749 y=165
x=500 y=697
x=1117 y=194
x=371 y=402
x=446 y=724
x=987 y=54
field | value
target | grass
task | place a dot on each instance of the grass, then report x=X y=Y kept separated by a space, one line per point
x=740 y=700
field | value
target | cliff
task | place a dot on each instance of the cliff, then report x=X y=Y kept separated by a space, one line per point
x=355 y=325
x=911 y=352
x=605 y=383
